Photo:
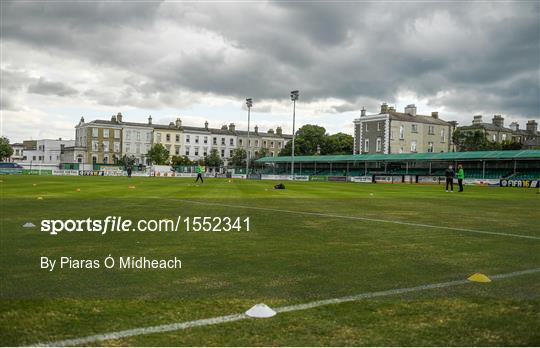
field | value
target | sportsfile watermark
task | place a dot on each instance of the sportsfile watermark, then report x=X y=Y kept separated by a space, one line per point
x=119 y=224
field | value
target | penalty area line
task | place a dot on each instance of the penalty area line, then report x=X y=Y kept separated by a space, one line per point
x=284 y=309
x=354 y=218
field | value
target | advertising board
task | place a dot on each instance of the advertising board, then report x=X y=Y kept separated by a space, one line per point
x=520 y=183
x=362 y=179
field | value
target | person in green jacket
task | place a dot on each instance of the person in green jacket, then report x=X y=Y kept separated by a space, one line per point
x=460 y=177
x=200 y=171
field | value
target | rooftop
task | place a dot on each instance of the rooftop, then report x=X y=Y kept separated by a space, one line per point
x=433 y=156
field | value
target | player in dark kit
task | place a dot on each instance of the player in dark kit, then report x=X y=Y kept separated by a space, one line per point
x=450 y=173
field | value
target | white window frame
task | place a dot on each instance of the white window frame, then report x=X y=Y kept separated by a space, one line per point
x=414 y=146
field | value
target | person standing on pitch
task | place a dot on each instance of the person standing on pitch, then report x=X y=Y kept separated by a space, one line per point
x=460 y=177
x=200 y=171
x=129 y=169
x=450 y=178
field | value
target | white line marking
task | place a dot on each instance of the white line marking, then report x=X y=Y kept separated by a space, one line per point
x=355 y=218
x=284 y=309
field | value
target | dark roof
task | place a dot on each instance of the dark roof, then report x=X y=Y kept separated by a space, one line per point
x=487 y=126
x=427 y=156
x=401 y=116
x=191 y=128
x=103 y=122
x=166 y=126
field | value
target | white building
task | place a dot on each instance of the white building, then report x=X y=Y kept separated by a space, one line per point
x=104 y=141
x=47 y=153
x=196 y=142
x=18 y=153
x=137 y=140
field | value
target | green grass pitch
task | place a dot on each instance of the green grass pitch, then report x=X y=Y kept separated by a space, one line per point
x=287 y=258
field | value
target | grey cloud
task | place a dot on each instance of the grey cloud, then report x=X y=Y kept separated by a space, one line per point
x=356 y=52
x=42 y=86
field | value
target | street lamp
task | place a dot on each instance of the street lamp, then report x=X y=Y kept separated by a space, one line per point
x=294 y=98
x=249 y=104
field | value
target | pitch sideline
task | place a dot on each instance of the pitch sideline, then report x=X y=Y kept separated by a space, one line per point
x=284 y=309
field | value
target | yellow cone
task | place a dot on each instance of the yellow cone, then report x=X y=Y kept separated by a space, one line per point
x=34 y=184
x=78 y=190
x=40 y=197
x=131 y=187
x=480 y=278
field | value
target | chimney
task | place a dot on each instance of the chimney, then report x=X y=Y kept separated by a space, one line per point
x=270 y=131
x=82 y=120
x=224 y=127
x=256 y=129
x=363 y=111
x=150 y=119
x=532 y=126
x=113 y=118
x=514 y=126
x=178 y=123
x=498 y=121
x=206 y=125
x=392 y=108
x=435 y=114
x=231 y=127
x=279 y=131
x=477 y=119
x=384 y=108
x=119 y=117
x=410 y=109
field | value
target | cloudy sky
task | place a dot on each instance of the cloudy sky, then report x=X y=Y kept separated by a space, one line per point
x=200 y=60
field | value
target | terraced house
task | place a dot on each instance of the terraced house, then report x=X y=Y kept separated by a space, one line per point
x=390 y=131
x=498 y=133
x=137 y=139
x=170 y=136
x=106 y=141
x=98 y=141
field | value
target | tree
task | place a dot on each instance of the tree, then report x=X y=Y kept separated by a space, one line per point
x=158 y=154
x=511 y=145
x=213 y=159
x=238 y=158
x=310 y=139
x=338 y=144
x=126 y=160
x=307 y=140
x=5 y=149
x=473 y=141
x=181 y=161
x=263 y=152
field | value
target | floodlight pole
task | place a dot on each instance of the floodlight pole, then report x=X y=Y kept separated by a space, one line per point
x=294 y=98
x=249 y=104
